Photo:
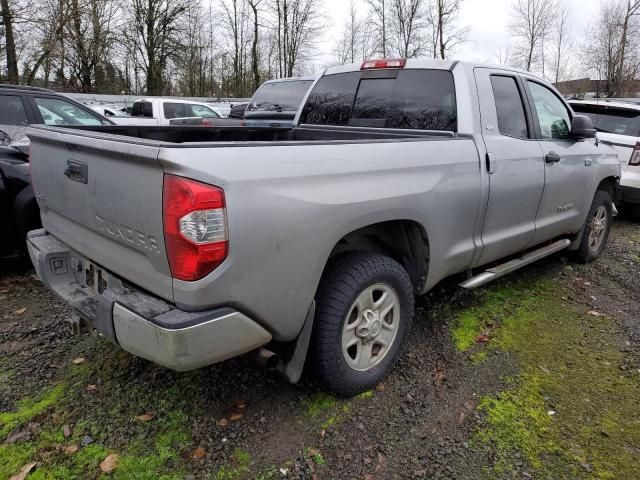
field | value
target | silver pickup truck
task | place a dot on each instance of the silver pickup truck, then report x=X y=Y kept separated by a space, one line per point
x=187 y=246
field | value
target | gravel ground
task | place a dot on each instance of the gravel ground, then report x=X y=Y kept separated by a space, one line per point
x=235 y=421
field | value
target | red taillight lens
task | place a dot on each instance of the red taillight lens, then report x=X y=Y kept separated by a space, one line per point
x=635 y=156
x=195 y=227
x=383 y=63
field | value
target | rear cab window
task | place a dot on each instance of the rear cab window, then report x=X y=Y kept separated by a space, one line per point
x=607 y=119
x=279 y=96
x=142 y=109
x=417 y=99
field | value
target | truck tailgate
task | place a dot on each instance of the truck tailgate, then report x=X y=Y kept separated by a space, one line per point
x=103 y=198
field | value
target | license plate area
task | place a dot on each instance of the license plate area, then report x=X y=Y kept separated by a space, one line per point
x=95 y=278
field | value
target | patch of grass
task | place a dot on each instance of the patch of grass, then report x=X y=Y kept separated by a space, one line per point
x=268 y=474
x=237 y=468
x=569 y=364
x=28 y=409
x=320 y=403
x=14 y=457
x=319 y=460
x=364 y=395
x=494 y=305
x=478 y=357
x=85 y=463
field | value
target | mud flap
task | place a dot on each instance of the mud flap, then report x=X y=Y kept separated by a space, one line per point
x=292 y=369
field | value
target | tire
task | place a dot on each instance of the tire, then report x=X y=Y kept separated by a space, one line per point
x=362 y=298
x=596 y=228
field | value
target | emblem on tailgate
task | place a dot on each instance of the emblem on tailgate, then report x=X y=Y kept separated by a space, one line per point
x=128 y=234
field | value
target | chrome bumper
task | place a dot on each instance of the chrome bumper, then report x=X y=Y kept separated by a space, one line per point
x=141 y=324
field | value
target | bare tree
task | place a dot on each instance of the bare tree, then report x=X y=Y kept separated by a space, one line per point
x=10 y=46
x=379 y=20
x=613 y=51
x=153 y=30
x=255 y=59
x=561 y=40
x=530 y=25
x=352 y=44
x=503 y=56
x=409 y=22
x=444 y=16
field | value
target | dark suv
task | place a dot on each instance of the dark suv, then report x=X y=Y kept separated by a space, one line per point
x=19 y=108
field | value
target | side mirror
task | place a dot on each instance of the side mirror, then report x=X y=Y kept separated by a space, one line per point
x=5 y=139
x=582 y=127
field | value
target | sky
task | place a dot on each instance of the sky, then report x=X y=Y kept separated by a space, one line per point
x=489 y=20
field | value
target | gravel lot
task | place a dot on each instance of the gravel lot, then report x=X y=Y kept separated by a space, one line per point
x=437 y=415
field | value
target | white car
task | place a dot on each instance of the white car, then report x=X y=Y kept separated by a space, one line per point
x=160 y=111
x=108 y=110
x=618 y=124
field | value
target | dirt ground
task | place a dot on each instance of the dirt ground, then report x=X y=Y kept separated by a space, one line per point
x=534 y=376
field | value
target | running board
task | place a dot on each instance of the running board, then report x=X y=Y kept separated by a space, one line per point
x=515 y=264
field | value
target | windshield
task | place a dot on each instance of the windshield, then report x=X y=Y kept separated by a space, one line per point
x=611 y=120
x=60 y=112
x=279 y=96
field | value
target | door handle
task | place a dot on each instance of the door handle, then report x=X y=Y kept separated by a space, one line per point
x=552 y=157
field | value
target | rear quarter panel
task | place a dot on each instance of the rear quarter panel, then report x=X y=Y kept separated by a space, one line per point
x=288 y=206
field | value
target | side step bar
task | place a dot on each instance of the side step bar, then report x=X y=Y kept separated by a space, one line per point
x=515 y=264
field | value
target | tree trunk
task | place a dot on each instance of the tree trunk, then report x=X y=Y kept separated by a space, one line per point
x=254 y=47
x=12 y=59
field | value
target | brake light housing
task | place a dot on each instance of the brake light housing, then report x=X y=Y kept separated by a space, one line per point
x=383 y=63
x=195 y=227
x=635 y=156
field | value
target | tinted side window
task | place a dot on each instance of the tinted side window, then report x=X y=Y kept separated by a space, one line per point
x=175 y=110
x=195 y=110
x=331 y=100
x=611 y=120
x=416 y=99
x=553 y=116
x=512 y=120
x=142 y=109
x=12 y=111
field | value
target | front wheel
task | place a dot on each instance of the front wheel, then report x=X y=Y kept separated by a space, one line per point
x=364 y=312
x=597 y=227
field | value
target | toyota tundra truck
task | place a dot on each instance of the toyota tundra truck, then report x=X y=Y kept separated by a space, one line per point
x=306 y=245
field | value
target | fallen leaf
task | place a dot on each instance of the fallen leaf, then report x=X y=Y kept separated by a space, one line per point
x=234 y=417
x=482 y=338
x=92 y=387
x=199 y=453
x=323 y=432
x=20 y=311
x=18 y=435
x=469 y=405
x=24 y=471
x=146 y=417
x=78 y=360
x=313 y=452
x=461 y=416
x=71 y=449
x=380 y=387
x=223 y=422
x=110 y=463
x=382 y=460
x=240 y=404
x=595 y=314
x=67 y=431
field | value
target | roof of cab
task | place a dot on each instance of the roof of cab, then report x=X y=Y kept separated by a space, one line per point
x=604 y=103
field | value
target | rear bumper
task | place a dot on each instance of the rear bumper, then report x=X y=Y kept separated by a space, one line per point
x=140 y=323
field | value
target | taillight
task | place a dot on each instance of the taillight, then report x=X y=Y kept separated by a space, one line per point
x=383 y=63
x=195 y=227
x=635 y=156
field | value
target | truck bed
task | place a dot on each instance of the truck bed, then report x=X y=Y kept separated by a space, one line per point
x=197 y=134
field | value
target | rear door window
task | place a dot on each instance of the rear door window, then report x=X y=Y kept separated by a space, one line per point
x=142 y=109
x=512 y=120
x=55 y=111
x=175 y=110
x=611 y=120
x=414 y=99
x=12 y=110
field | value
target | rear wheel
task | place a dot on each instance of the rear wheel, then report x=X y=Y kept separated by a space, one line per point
x=597 y=228
x=364 y=312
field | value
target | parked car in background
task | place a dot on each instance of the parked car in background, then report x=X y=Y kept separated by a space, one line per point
x=19 y=107
x=397 y=174
x=160 y=111
x=276 y=102
x=618 y=124
x=109 y=110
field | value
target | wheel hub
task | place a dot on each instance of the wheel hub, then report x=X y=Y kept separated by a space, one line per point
x=370 y=325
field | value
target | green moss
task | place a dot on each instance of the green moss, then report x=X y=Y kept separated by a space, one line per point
x=319 y=460
x=84 y=463
x=569 y=365
x=319 y=403
x=478 y=357
x=29 y=409
x=365 y=395
x=268 y=474
x=237 y=468
x=14 y=457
